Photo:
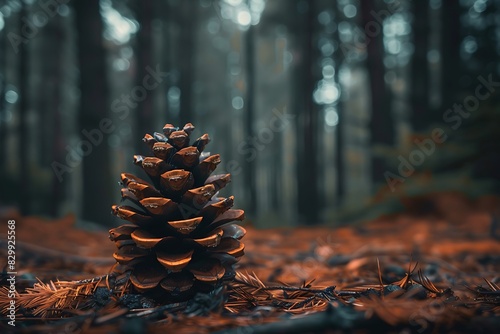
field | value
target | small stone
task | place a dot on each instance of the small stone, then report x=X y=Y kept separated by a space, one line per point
x=338 y=260
x=391 y=288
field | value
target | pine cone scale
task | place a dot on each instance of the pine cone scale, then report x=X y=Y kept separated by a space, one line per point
x=186 y=226
x=174 y=261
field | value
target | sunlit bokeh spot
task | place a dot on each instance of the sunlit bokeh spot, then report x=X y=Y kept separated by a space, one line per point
x=326 y=92
x=226 y=12
x=63 y=10
x=39 y=19
x=344 y=27
x=11 y=96
x=324 y=17
x=328 y=71
x=174 y=93
x=469 y=44
x=327 y=49
x=5 y=11
x=242 y=13
x=126 y=52
x=117 y=27
x=213 y=25
x=350 y=11
x=237 y=102
x=394 y=46
x=331 y=116
x=174 y=100
x=479 y=6
x=234 y=2
x=121 y=64
x=244 y=18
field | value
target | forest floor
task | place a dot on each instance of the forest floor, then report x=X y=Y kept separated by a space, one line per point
x=400 y=273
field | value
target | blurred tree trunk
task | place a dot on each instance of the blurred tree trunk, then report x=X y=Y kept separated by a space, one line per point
x=56 y=77
x=487 y=55
x=450 y=50
x=48 y=98
x=421 y=116
x=166 y=59
x=307 y=120
x=43 y=100
x=144 y=52
x=340 y=158
x=98 y=182
x=187 y=23
x=339 y=131
x=381 y=124
x=3 y=106
x=250 y=168
x=22 y=130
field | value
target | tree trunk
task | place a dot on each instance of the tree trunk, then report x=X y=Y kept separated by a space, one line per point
x=3 y=106
x=22 y=129
x=166 y=57
x=186 y=60
x=56 y=132
x=98 y=182
x=144 y=53
x=381 y=124
x=451 y=39
x=250 y=167
x=307 y=127
x=487 y=56
x=421 y=116
x=339 y=131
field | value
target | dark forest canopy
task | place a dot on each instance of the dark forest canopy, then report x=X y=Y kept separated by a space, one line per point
x=322 y=110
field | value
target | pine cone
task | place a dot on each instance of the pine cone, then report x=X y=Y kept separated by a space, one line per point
x=180 y=239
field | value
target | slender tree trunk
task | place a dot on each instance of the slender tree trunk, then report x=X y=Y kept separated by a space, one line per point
x=187 y=60
x=97 y=179
x=3 y=109
x=250 y=168
x=308 y=151
x=44 y=107
x=381 y=124
x=56 y=131
x=22 y=129
x=144 y=51
x=50 y=42
x=339 y=131
x=166 y=59
x=421 y=116
x=486 y=54
x=450 y=50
